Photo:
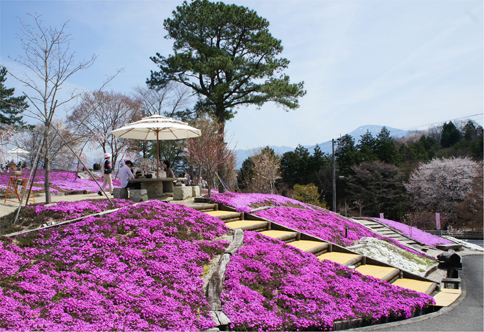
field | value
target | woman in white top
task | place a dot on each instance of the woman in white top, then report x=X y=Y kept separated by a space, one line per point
x=107 y=169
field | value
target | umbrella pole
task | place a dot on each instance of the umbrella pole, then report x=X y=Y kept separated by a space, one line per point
x=157 y=152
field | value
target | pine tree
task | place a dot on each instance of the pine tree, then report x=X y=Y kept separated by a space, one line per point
x=385 y=148
x=10 y=107
x=450 y=135
x=227 y=56
x=367 y=147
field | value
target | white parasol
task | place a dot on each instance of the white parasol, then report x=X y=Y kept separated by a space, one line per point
x=18 y=151
x=157 y=127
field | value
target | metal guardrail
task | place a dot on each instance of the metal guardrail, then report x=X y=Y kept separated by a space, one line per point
x=459 y=234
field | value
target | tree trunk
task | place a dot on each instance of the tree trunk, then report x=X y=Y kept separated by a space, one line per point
x=47 y=180
x=221 y=121
x=114 y=160
x=47 y=165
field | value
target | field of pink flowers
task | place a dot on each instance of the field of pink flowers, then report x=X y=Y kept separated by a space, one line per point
x=247 y=202
x=61 y=211
x=272 y=286
x=60 y=181
x=300 y=216
x=415 y=233
x=33 y=216
x=137 y=269
x=326 y=226
x=140 y=268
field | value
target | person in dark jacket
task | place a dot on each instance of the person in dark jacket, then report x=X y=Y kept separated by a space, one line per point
x=106 y=171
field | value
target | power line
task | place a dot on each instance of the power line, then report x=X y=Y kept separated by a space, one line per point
x=439 y=122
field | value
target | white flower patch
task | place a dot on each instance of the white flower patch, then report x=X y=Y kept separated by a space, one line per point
x=388 y=253
x=464 y=243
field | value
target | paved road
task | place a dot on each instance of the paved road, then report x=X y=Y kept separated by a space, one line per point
x=478 y=242
x=467 y=316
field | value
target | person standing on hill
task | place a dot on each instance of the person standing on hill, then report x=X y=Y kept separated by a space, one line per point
x=106 y=171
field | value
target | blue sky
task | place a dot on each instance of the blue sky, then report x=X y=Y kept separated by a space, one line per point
x=403 y=64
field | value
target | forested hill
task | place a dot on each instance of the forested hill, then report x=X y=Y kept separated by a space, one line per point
x=325 y=146
x=383 y=174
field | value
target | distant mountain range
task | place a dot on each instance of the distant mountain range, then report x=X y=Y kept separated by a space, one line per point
x=325 y=146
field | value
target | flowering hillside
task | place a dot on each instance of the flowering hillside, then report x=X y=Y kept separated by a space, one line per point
x=69 y=210
x=310 y=219
x=139 y=268
x=33 y=216
x=272 y=286
x=415 y=233
x=247 y=202
x=326 y=226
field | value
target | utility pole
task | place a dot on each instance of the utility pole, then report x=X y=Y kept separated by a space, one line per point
x=334 y=177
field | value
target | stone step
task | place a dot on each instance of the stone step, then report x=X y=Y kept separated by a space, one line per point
x=446 y=297
x=280 y=235
x=388 y=233
x=341 y=258
x=426 y=287
x=376 y=226
x=367 y=222
x=226 y=215
x=310 y=246
x=205 y=207
x=371 y=225
x=381 y=272
x=408 y=241
x=446 y=247
x=398 y=238
x=247 y=225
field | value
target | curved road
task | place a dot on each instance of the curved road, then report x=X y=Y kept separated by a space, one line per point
x=465 y=316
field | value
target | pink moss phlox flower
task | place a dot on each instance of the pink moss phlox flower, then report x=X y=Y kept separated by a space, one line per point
x=138 y=268
x=247 y=202
x=310 y=219
x=415 y=233
x=270 y=285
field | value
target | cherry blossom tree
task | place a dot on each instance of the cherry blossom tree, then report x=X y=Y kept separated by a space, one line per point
x=209 y=153
x=470 y=211
x=442 y=184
